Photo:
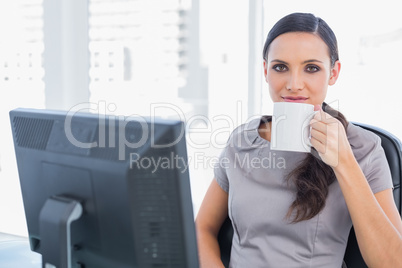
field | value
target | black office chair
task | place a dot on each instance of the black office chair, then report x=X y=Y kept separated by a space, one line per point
x=393 y=151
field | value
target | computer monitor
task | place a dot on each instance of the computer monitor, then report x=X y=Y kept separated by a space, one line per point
x=104 y=190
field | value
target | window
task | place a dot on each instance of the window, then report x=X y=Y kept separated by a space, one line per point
x=21 y=84
x=137 y=51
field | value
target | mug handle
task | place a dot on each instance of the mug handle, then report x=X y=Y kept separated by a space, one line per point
x=306 y=127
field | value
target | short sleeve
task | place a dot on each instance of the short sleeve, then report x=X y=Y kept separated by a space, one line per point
x=377 y=170
x=220 y=170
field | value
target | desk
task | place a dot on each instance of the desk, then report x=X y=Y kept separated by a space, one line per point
x=16 y=253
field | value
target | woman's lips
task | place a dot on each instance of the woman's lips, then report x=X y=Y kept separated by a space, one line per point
x=294 y=98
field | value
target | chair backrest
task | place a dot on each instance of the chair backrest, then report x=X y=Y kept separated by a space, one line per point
x=393 y=151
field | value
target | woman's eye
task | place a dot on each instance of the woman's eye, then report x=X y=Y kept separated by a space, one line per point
x=280 y=68
x=312 y=68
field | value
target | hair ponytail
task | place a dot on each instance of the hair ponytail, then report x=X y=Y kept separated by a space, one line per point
x=312 y=179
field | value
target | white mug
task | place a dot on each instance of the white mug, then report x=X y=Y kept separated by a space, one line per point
x=291 y=126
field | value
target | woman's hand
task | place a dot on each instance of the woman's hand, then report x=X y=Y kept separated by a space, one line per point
x=328 y=137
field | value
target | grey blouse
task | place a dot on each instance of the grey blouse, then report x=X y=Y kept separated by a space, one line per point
x=259 y=198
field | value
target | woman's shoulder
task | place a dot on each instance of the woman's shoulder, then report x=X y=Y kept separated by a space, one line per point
x=252 y=124
x=360 y=137
x=362 y=141
x=370 y=155
x=248 y=131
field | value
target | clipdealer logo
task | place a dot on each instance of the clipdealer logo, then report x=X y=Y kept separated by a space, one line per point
x=153 y=164
x=147 y=127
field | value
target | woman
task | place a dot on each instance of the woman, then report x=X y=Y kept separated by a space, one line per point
x=299 y=214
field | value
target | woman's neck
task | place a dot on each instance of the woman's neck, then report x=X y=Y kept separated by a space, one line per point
x=264 y=130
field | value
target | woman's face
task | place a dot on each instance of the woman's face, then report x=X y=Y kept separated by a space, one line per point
x=298 y=68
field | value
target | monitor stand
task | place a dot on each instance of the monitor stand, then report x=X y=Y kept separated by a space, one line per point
x=54 y=226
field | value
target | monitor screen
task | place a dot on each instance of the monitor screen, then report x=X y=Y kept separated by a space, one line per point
x=104 y=190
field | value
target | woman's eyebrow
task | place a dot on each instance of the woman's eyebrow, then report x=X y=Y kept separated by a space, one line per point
x=280 y=61
x=304 y=62
x=312 y=60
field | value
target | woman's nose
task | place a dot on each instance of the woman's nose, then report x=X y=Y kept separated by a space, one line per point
x=295 y=82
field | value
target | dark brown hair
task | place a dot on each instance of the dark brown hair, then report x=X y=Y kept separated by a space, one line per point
x=312 y=177
x=304 y=22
